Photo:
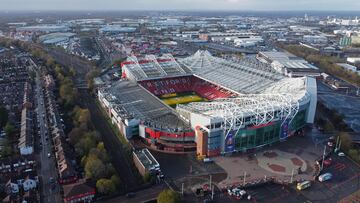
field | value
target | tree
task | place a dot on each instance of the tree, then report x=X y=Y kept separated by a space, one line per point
x=50 y=62
x=83 y=161
x=354 y=154
x=6 y=151
x=346 y=142
x=168 y=196
x=84 y=116
x=328 y=127
x=100 y=152
x=67 y=91
x=116 y=180
x=147 y=177
x=85 y=144
x=9 y=129
x=4 y=116
x=94 y=168
x=81 y=117
x=75 y=135
x=72 y=71
x=58 y=69
x=105 y=186
x=90 y=78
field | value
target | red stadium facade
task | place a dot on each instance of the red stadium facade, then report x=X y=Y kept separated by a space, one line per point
x=170 y=141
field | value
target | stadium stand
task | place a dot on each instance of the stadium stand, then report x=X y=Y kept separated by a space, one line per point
x=186 y=84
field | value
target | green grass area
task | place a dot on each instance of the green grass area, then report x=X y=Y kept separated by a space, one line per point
x=181 y=98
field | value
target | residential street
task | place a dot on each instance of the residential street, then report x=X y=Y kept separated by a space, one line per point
x=49 y=193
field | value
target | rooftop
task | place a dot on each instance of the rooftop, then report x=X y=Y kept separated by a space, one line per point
x=244 y=76
x=130 y=101
x=147 y=159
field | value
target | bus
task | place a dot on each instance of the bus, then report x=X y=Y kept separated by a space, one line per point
x=325 y=177
x=303 y=185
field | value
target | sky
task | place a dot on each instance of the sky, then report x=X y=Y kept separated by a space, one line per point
x=232 y=5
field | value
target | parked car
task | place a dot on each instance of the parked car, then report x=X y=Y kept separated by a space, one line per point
x=325 y=177
x=303 y=185
x=327 y=162
x=341 y=154
x=130 y=195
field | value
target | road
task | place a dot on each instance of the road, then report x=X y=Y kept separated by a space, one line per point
x=104 y=56
x=142 y=196
x=47 y=165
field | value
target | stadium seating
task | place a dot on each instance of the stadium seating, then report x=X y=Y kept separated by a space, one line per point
x=208 y=90
x=167 y=85
x=185 y=84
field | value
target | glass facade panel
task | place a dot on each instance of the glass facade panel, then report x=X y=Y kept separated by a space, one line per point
x=251 y=138
x=299 y=121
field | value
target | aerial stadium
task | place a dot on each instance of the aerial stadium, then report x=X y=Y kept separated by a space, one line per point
x=207 y=104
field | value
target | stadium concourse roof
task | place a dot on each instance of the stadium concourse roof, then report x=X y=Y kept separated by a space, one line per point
x=130 y=100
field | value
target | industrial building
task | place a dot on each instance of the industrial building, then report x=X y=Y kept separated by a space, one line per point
x=288 y=64
x=116 y=29
x=145 y=162
x=44 y=28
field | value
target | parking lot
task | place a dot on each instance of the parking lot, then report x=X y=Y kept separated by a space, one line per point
x=345 y=181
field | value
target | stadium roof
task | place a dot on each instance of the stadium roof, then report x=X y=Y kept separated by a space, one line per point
x=243 y=76
x=132 y=101
x=264 y=95
x=152 y=67
x=281 y=100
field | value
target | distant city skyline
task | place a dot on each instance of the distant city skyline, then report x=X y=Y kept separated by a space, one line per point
x=233 y=5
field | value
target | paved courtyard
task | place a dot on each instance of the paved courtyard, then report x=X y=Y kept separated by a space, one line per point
x=294 y=157
x=281 y=163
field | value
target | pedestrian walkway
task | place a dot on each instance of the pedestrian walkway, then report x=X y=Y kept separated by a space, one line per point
x=285 y=162
x=282 y=163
